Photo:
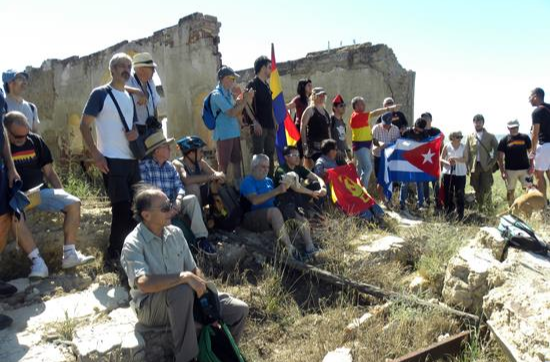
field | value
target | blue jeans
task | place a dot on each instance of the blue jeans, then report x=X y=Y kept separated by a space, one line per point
x=405 y=193
x=364 y=164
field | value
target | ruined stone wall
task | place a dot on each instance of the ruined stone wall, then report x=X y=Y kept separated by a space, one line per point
x=370 y=71
x=187 y=57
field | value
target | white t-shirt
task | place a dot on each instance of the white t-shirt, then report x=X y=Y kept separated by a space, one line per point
x=111 y=135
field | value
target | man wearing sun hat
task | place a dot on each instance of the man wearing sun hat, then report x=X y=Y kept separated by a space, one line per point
x=146 y=98
x=513 y=159
x=15 y=83
x=158 y=171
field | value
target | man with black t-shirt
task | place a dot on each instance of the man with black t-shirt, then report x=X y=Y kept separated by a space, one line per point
x=398 y=118
x=513 y=160
x=540 y=137
x=431 y=131
x=263 y=138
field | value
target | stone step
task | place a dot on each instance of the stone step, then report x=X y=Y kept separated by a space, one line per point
x=27 y=338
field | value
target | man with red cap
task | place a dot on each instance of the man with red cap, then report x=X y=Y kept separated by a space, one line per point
x=338 y=130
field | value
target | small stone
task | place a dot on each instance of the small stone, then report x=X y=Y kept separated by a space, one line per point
x=339 y=355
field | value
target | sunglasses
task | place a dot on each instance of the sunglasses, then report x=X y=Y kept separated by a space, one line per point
x=18 y=137
x=166 y=206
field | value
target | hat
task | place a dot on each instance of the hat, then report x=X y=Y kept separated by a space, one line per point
x=388 y=100
x=226 y=71
x=513 y=124
x=142 y=60
x=318 y=91
x=156 y=140
x=10 y=75
x=387 y=117
x=338 y=100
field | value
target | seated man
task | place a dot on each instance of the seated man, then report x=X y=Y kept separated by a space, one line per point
x=327 y=160
x=258 y=189
x=194 y=171
x=164 y=278
x=34 y=164
x=157 y=170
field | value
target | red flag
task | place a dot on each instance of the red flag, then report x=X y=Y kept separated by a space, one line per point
x=347 y=191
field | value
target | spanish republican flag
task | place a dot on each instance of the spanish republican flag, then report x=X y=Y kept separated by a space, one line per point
x=287 y=133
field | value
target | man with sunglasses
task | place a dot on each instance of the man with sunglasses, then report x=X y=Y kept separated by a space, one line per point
x=338 y=130
x=164 y=279
x=15 y=85
x=33 y=161
x=146 y=99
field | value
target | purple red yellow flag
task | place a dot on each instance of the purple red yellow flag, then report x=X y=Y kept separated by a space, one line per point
x=287 y=133
x=347 y=191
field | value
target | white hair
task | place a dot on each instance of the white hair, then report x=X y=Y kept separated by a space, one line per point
x=119 y=58
x=257 y=159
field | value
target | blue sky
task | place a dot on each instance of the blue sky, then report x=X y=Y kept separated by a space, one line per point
x=469 y=56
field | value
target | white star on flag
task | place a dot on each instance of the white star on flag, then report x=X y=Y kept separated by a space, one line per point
x=428 y=157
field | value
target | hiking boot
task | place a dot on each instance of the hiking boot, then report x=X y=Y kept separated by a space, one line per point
x=5 y=321
x=39 y=269
x=75 y=258
x=310 y=254
x=7 y=290
x=204 y=246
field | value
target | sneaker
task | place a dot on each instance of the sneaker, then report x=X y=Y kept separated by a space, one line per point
x=39 y=269
x=295 y=254
x=5 y=321
x=204 y=246
x=72 y=259
x=311 y=253
x=7 y=290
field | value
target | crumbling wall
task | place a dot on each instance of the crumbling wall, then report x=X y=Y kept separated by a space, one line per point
x=370 y=71
x=187 y=57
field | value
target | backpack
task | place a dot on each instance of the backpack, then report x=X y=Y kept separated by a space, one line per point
x=225 y=207
x=208 y=116
x=217 y=345
x=521 y=236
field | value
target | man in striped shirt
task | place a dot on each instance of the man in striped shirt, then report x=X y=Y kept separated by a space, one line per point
x=383 y=134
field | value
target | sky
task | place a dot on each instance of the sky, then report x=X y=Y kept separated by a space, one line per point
x=469 y=56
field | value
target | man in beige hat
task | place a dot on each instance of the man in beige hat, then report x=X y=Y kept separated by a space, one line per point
x=143 y=89
x=158 y=171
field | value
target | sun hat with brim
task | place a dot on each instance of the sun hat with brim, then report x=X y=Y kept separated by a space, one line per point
x=10 y=75
x=142 y=60
x=319 y=91
x=156 y=140
x=513 y=124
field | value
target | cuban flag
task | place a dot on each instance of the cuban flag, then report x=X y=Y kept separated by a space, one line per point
x=410 y=161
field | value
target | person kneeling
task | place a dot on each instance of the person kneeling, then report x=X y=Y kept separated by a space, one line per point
x=258 y=189
x=159 y=171
x=164 y=278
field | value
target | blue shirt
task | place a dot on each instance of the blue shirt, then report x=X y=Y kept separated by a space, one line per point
x=252 y=186
x=226 y=127
x=162 y=176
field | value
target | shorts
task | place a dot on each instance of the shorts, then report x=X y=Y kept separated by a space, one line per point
x=542 y=157
x=513 y=176
x=54 y=200
x=257 y=220
x=228 y=151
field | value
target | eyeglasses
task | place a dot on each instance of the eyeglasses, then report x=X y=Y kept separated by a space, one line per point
x=341 y=105
x=293 y=155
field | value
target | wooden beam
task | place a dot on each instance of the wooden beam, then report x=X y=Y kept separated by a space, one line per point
x=452 y=346
x=345 y=282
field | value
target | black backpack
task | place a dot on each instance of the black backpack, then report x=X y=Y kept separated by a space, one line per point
x=521 y=236
x=225 y=207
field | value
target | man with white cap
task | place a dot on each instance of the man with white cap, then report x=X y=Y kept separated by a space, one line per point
x=513 y=159
x=157 y=170
x=147 y=98
x=227 y=104
x=15 y=84
x=398 y=118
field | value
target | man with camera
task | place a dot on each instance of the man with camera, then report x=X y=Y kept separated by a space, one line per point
x=144 y=92
x=227 y=104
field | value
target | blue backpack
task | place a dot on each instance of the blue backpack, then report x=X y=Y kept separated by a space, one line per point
x=208 y=116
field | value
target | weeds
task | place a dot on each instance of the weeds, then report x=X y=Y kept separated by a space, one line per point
x=65 y=329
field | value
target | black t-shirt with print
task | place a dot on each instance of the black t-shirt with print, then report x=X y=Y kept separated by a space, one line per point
x=434 y=131
x=541 y=116
x=515 y=151
x=301 y=171
x=29 y=160
x=398 y=119
x=262 y=103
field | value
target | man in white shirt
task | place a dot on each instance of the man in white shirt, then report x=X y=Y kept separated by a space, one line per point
x=112 y=154
x=15 y=85
x=147 y=99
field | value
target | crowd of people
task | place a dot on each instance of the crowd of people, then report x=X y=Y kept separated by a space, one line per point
x=162 y=206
